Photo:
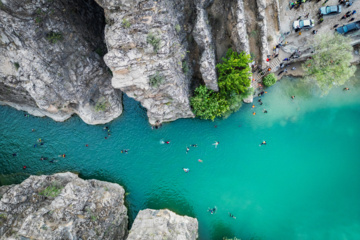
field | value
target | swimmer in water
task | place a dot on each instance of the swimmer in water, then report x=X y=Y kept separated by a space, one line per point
x=194 y=145
x=263 y=143
x=187 y=149
x=24 y=167
x=186 y=170
x=216 y=144
x=199 y=160
x=33 y=130
x=346 y=89
x=231 y=215
x=167 y=142
x=292 y=97
x=265 y=111
x=86 y=145
x=14 y=154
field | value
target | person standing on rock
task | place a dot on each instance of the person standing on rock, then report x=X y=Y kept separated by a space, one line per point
x=325 y=2
x=352 y=19
x=336 y=25
x=353 y=12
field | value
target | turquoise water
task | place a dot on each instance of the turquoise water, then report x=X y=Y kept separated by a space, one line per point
x=304 y=184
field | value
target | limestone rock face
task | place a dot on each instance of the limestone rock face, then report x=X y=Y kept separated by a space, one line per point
x=163 y=224
x=80 y=209
x=144 y=41
x=50 y=61
x=203 y=37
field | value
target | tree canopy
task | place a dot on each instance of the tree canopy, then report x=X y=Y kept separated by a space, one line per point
x=269 y=80
x=331 y=63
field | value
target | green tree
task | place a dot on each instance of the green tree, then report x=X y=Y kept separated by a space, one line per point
x=207 y=104
x=269 y=80
x=331 y=64
x=234 y=73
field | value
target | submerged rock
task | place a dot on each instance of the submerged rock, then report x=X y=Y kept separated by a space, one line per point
x=62 y=206
x=163 y=224
x=51 y=60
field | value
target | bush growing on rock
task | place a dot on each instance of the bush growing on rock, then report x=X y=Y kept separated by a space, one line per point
x=156 y=79
x=234 y=82
x=51 y=191
x=331 y=63
x=154 y=41
x=54 y=37
x=269 y=80
x=101 y=105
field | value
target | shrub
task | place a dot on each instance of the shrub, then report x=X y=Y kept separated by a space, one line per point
x=234 y=83
x=270 y=38
x=126 y=23
x=156 y=79
x=51 y=191
x=154 y=41
x=101 y=105
x=16 y=65
x=269 y=80
x=177 y=28
x=207 y=104
x=54 y=37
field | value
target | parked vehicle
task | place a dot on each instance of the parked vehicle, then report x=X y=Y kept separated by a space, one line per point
x=348 y=28
x=304 y=24
x=328 y=10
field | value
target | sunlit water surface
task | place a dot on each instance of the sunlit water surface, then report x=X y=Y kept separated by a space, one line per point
x=304 y=184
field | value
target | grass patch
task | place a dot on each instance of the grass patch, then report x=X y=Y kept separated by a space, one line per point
x=154 y=41
x=54 y=37
x=101 y=105
x=156 y=79
x=51 y=191
x=126 y=23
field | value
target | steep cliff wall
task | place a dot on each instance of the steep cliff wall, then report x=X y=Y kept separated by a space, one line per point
x=50 y=63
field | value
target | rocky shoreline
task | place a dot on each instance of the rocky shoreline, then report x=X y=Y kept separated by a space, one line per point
x=63 y=206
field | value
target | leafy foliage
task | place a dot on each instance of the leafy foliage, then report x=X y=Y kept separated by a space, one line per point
x=234 y=83
x=154 y=41
x=207 y=104
x=269 y=80
x=331 y=64
x=54 y=37
x=51 y=191
x=177 y=28
x=16 y=65
x=234 y=73
x=156 y=79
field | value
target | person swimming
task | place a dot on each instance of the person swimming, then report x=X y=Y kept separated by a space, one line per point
x=39 y=140
x=292 y=97
x=231 y=215
x=194 y=145
x=42 y=143
x=14 y=154
x=216 y=144
x=346 y=89
x=186 y=170
x=265 y=111
x=63 y=155
x=53 y=160
x=263 y=143
x=33 y=130
x=24 y=167
x=199 y=160
x=167 y=142
x=35 y=145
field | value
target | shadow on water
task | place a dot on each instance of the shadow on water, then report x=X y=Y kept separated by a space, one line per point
x=221 y=231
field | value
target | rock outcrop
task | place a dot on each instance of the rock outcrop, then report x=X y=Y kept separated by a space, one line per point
x=62 y=206
x=51 y=63
x=147 y=56
x=163 y=224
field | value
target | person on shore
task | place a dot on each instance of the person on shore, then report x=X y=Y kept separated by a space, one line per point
x=293 y=68
x=343 y=17
x=346 y=89
x=347 y=13
x=325 y=2
x=314 y=32
x=280 y=72
x=353 y=12
x=336 y=25
x=298 y=18
x=292 y=97
x=320 y=21
x=216 y=144
x=307 y=15
x=352 y=19
x=285 y=70
x=263 y=143
x=286 y=59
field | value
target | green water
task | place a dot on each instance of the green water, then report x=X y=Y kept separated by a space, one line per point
x=304 y=184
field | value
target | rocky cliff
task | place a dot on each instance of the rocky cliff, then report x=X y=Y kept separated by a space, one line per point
x=163 y=224
x=51 y=60
x=63 y=206
x=156 y=51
